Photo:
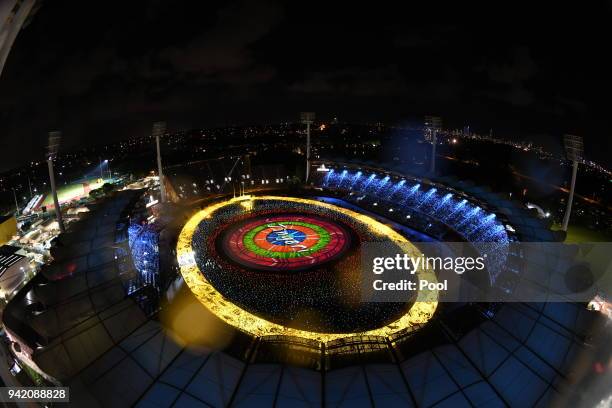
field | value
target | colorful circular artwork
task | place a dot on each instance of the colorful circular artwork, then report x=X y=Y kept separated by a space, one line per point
x=271 y=265
x=285 y=242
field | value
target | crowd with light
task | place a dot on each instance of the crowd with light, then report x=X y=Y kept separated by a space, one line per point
x=321 y=303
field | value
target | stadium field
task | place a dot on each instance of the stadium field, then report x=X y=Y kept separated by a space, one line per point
x=71 y=192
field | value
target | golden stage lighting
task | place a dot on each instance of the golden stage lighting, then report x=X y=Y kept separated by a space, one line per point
x=419 y=313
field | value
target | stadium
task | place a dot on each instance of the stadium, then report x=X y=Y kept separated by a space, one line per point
x=284 y=256
x=369 y=255
x=257 y=300
x=290 y=266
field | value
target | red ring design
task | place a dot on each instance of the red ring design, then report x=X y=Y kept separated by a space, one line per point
x=236 y=250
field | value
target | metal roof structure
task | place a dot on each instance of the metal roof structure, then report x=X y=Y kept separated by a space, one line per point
x=8 y=257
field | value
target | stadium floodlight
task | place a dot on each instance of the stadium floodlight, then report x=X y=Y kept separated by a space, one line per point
x=102 y=163
x=159 y=129
x=307 y=118
x=433 y=124
x=53 y=147
x=574 y=147
x=16 y=202
x=574 y=150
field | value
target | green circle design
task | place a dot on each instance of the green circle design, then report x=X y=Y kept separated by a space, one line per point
x=249 y=243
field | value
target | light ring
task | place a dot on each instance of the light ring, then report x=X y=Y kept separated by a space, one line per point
x=419 y=313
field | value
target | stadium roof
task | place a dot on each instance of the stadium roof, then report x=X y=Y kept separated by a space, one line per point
x=8 y=257
x=519 y=358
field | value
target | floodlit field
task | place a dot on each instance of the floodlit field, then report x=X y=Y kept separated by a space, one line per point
x=72 y=192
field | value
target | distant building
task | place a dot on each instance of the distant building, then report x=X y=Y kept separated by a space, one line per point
x=432 y=124
x=13 y=267
x=8 y=228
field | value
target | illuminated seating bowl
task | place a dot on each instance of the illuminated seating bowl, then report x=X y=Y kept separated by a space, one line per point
x=298 y=336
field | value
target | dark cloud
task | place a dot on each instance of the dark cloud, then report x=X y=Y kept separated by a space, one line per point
x=510 y=77
x=520 y=68
x=414 y=37
x=106 y=70
x=376 y=81
x=222 y=51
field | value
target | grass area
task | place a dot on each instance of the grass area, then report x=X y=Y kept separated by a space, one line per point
x=576 y=234
x=72 y=192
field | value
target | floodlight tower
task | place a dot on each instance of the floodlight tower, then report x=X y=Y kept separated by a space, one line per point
x=101 y=169
x=433 y=124
x=54 y=141
x=574 y=149
x=308 y=119
x=159 y=129
x=16 y=202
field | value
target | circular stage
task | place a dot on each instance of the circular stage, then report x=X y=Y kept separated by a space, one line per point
x=290 y=266
x=287 y=242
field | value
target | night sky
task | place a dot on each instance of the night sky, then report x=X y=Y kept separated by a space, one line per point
x=107 y=69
